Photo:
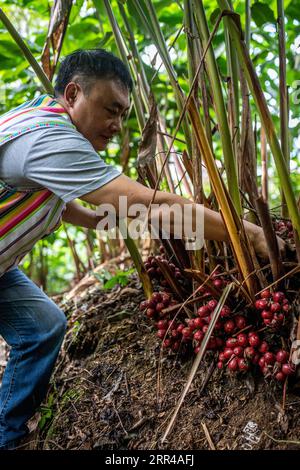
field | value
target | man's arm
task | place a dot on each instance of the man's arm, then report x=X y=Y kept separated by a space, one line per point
x=136 y=193
x=76 y=214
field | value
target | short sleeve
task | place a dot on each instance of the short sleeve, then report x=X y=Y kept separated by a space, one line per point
x=63 y=161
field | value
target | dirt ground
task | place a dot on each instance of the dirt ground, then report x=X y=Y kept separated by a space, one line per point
x=114 y=389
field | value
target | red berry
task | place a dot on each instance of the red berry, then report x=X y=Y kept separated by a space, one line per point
x=205 y=328
x=278 y=296
x=227 y=353
x=218 y=283
x=186 y=332
x=242 y=340
x=232 y=342
x=225 y=311
x=269 y=358
x=159 y=307
x=279 y=317
x=261 y=304
x=254 y=340
x=266 y=315
x=238 y=351
x=233 y=364
x=264 y=347
x=207 y=319
x=162 y=324
x=249 y=352
x=198 y=322
x=242 y=364
x=229 y=326
x=203 y=311
x=240 y=321
x=156 y=297
x=161 y=333
x=212 y=304
x=261 y=362
x=265 y=294
x=198 y=336
x=275 y=307
x=280 y=376
x=191 y=323
x=180 y=327
x=286 y=307
x=150 y=312
x=166 y=299
x=221 y=357
x=167 y=343
x=144 y=305
x=288 y=369
x=282 y=356
x=220 y=365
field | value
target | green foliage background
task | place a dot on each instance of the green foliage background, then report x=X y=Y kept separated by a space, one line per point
x=88 y=29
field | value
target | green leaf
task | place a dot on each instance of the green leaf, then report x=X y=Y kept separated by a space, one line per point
x=262 y=13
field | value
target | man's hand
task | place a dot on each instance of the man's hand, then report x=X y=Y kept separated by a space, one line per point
x=258 y=240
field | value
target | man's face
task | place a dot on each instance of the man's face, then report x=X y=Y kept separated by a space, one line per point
x=97 y=114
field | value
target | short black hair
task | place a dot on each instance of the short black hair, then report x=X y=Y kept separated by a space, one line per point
x=88 y=65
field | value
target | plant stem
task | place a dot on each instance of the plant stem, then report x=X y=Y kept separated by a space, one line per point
x=284 y=97
x=265 y=116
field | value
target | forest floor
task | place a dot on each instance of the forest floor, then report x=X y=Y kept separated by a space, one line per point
x=114 y=388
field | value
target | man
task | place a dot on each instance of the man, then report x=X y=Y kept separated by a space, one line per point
x=48 y=159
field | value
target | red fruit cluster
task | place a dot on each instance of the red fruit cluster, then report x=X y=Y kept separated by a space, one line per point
x=276 y=365
x=284 y=229
x=154 y=271
x=240 y=352
x=245 y=350
x=168 y=330
x=156 y=304
x=273 y=308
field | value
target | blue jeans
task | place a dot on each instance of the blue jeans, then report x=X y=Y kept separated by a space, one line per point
x=34 y=327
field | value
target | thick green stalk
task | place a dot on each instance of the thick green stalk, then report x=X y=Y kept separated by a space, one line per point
x=154 y=30
x=220 y=109
x=137 y=259
x=124 y=55
x=233 y=72
x=284 y=97
x=265 y=116
x=248 y=23
x=131 y=246
x=26 y=52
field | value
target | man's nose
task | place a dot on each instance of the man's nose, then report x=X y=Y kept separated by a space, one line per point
x=116 y=125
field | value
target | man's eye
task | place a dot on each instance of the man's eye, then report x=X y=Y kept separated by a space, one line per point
x=113 y=112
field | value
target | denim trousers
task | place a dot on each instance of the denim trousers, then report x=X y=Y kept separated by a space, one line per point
x=34 y=328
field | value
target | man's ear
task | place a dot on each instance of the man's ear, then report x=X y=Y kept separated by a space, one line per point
x=71 y=93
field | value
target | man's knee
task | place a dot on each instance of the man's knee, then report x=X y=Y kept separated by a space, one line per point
x=54 y=326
